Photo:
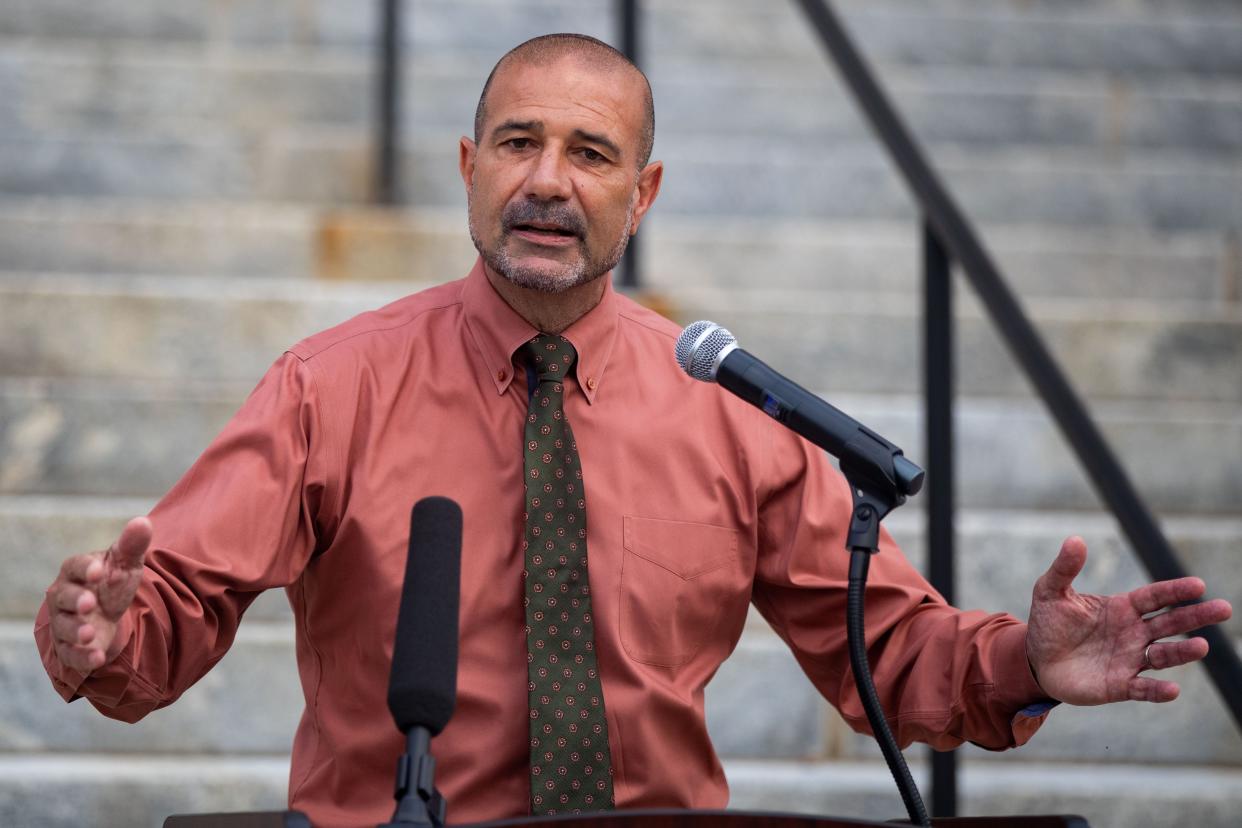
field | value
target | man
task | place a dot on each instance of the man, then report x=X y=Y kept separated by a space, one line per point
x=575 y=691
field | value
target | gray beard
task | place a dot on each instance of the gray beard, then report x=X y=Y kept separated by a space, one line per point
x=572 y=275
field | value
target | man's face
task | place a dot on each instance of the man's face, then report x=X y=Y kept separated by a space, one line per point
x=553 y=184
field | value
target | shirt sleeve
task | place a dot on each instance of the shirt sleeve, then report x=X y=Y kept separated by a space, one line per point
x=943 y=675
x=244 y=518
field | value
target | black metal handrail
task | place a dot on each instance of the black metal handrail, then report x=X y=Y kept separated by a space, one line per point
x=629 y=41
x=386 y=172
x=947 y=230
x=938 y=386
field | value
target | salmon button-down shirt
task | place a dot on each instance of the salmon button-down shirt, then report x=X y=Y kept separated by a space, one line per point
x=697 y=505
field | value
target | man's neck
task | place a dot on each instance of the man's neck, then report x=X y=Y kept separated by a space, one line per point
x=548 y=312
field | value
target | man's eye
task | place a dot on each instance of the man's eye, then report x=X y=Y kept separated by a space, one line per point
x=518 y=143
x=593 y=156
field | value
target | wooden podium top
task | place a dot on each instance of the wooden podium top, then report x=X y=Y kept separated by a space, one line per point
x=751 y=819
x=678 y=819
x=648 y=819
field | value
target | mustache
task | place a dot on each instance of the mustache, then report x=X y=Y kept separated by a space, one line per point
x=561 y=216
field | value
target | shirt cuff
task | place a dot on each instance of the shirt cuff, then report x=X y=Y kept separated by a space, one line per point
x=65 y=680
x=1015 y=683
x=68 y=682
x=1016 y=687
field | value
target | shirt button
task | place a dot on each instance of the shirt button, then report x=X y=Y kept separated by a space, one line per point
x=500 y=376
x=591 y=383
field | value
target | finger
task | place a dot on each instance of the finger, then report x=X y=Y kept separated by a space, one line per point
x=72 y=598
x=131 y=547
x=1146 y=689
x=1069 y=562
x=82 y=569
x=1166 y=593
x=72 y=629
x=1184 y=619
x=82 y=659
x=1168 y=654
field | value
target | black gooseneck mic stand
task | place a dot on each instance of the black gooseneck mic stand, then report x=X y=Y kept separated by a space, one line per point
x=876 y=490
x=880 y=479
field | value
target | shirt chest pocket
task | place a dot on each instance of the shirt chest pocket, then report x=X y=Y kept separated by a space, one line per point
x=676 y=581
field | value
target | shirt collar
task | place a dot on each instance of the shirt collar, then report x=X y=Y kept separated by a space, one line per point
x=498 y=331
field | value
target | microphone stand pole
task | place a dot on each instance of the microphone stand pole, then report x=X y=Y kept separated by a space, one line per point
x=418 y=801
x=872 y=502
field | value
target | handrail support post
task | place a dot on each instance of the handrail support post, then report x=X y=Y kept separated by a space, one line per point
x=938 y=396
x=629 y=25
x=387 y=139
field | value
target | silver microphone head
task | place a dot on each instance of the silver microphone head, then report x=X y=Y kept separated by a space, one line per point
x=701 y=347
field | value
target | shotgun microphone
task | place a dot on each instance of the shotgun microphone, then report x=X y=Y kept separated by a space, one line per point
x=708 y=352
x=422 y=688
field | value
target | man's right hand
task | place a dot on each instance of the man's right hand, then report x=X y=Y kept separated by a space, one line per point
x=88 y=600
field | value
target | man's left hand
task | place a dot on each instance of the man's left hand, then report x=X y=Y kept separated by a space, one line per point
x=1093 y=649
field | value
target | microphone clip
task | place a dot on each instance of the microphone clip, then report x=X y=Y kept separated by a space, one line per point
x=872 y=503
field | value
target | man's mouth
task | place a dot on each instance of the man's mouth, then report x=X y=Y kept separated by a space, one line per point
x=547 y=235
x=545 y=229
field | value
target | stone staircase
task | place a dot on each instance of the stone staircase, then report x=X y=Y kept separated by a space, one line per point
x=183 y=194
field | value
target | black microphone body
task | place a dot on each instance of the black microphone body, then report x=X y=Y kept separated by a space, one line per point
x=879 y=476
x=710 y=353
x=422 y=688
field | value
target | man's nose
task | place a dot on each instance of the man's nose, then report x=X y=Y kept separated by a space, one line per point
x=549 y=177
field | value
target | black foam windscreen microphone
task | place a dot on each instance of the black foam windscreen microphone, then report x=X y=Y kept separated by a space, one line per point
x=422 y=688
x=708 y=352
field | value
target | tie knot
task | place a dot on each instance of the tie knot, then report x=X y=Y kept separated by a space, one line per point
x=551 y=356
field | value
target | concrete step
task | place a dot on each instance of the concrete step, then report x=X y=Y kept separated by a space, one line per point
x=293 y=24
x=288 y=240
x=271 y=239
x=1116 y=35
x=951 y=104
x=53 y=432
x=873 y=343
x=136 y=439
x=248 y=323
x=125 y=791
x=1109 y=796
x=1000 y=552
x=201 y=166
x=109 y=236
x=152 y=329
x=156 y=87
x=859 y=257
x=1000 y=555
x=1079 y=36
x=759 y=705
x=1167 y=190
x=40 y=532
x=160 y=90
x=249 y=703
x=111 y=790
x=1023 y=185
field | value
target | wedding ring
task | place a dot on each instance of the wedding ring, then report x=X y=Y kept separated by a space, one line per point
x=1147 y=665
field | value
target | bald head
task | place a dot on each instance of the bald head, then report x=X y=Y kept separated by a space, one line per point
x=594 y=54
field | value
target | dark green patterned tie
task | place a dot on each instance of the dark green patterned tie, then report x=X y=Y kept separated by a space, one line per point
x=570 y=768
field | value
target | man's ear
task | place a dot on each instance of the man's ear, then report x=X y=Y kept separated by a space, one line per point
x=466 y=153
x=648 y=188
